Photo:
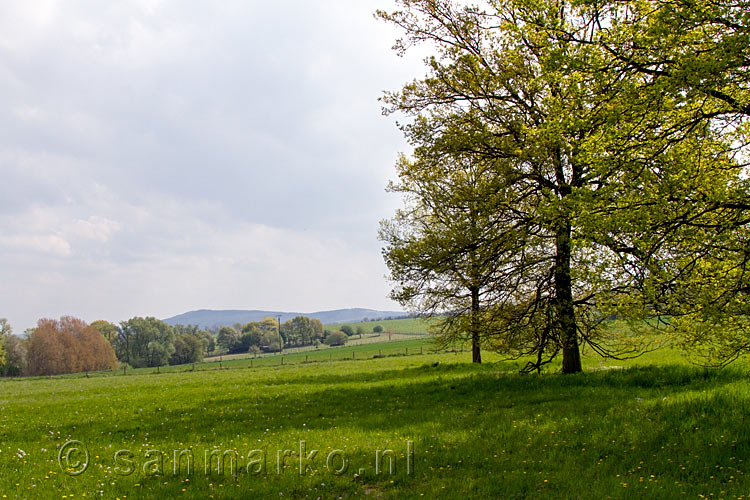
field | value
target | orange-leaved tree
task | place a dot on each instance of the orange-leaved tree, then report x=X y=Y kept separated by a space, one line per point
x=68 y=345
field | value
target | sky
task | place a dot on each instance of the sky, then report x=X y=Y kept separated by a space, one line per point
x=158 y=157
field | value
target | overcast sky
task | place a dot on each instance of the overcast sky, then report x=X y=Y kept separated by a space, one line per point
x=163 y=156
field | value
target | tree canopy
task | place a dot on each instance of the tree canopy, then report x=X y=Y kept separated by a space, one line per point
x=145 y=342
x=609 y=189
x=67 y=345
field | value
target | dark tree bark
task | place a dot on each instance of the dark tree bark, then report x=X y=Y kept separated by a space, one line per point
x=565 y=308
x=476 y=353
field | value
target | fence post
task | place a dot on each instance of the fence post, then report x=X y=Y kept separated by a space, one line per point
x=407 y=351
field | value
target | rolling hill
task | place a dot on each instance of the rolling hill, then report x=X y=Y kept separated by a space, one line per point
x=207 y=318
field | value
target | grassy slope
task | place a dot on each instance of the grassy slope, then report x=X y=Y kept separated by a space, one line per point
x=367 y=347
x=650 y=430
x=409 y=325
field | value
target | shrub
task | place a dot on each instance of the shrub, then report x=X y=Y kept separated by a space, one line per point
x=347 y=330
x=336 y=338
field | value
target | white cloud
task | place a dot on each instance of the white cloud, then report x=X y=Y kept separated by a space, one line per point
x=95 y=228
x=159 y=156
x=42 y=243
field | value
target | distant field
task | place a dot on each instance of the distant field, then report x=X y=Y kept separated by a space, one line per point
x=400 y=345
x=655 y=427
x=408 y=325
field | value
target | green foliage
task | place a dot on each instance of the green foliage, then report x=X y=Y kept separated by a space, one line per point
x=228 y=338
x=680 y=424
x=336 y=338
x=108 y=330
x=15 y=357
x=563 y=182
x=5 y=328
x=5 y=332
x=447 y=247
x=347 y=330
x=269 y=325
x=208 y=344
x=404 y=325
x=271 y=343
x=188 y=348
x=145 y=342
x=12 y=352
x=301 y=331
x=377 y=329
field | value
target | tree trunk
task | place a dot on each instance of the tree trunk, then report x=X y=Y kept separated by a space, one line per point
x=564 y=302
x=476 y=353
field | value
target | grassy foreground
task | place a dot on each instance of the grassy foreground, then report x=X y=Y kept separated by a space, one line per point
x=665 y=430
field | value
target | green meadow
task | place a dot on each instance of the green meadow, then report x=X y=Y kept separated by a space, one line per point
x=406 y=325
x=382 y=425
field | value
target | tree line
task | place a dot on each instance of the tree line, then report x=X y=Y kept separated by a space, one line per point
x=268 y=336
x=576 y=161
x=70 y=345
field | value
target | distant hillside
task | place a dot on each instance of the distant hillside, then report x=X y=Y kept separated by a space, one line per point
x=404 y=325
x=206 y=318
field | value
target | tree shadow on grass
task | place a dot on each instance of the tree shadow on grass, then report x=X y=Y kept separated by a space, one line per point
x=503 y=433
x=443 y=397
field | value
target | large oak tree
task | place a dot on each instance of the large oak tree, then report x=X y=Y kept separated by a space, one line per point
x=620 y=189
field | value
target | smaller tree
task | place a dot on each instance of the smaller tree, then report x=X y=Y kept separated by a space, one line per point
x=67 y=346
x=5 y=331
x=145 y=342
x=5 y=328
x=273 y=345
x=15 y=357
x=317 y=330
x=250 y=337
x=108 y=330
x=187 y=349
x=377 y=329
x=95 y=350
x=158 y=354
x=336 y=338
x=301 y=331
x=347 y=330
x=209 y=343
x=228 y=338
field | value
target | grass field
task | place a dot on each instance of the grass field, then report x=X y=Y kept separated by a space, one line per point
x=393 y=339
x=655 y=427
x=407 y=325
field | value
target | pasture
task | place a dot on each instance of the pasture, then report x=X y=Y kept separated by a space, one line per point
x=404 y=325
x=655 y=427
